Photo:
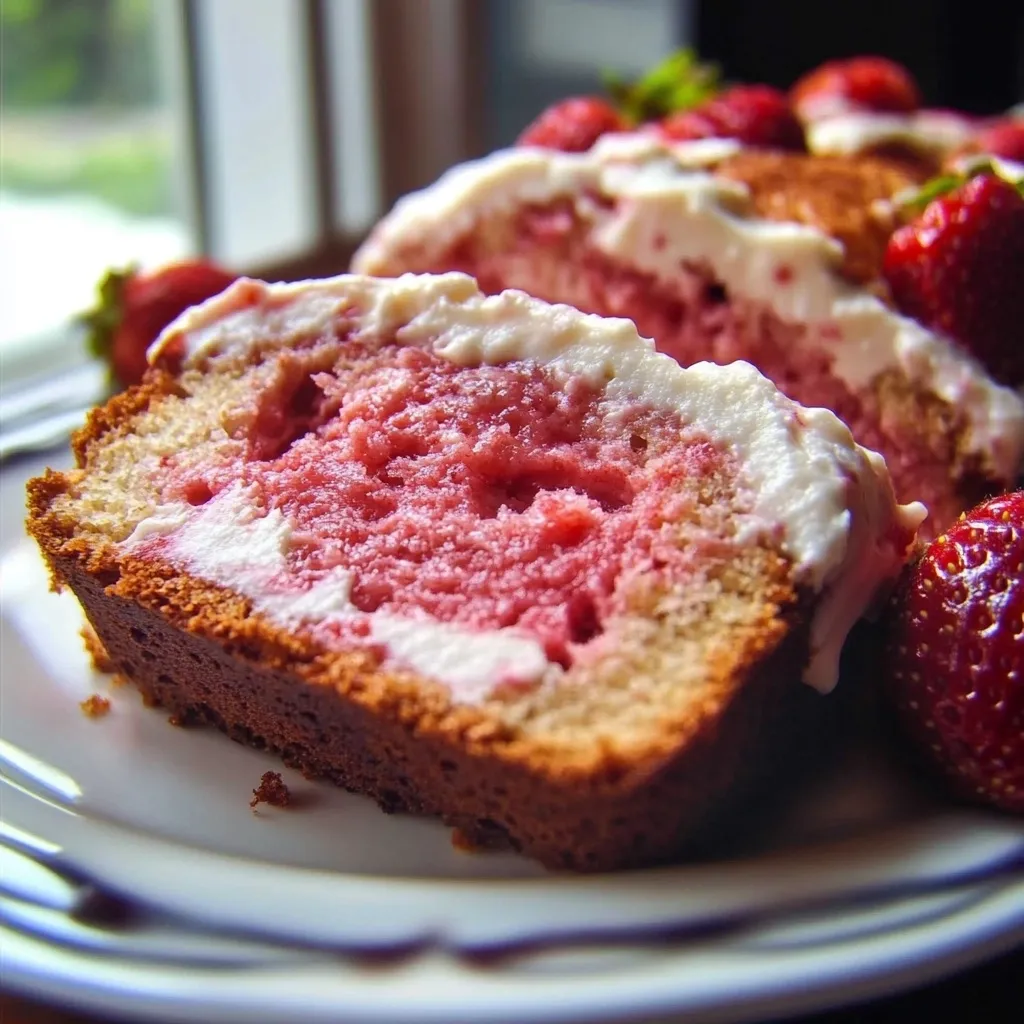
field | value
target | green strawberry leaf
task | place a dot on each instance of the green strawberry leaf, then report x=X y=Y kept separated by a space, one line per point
x=915 y=201
x=679 y=82
x=103 y=320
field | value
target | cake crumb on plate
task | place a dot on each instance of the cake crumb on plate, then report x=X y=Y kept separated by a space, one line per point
x=95 y=706
x=461 y=840
x=271 y=790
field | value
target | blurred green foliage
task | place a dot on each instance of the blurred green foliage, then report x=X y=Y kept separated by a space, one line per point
x=76 y=52
x=79 y=80
x=130 y=174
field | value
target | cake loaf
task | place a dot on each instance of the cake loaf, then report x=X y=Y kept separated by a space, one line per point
x=478 y=557
x=722 y=253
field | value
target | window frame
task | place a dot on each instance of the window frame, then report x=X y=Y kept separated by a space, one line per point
x=427 y=93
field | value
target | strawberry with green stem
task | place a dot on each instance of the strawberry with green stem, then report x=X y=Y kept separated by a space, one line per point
x=135 y=306
x=683 y=99
x=680 y=82
x=573 y=125
x=958 y=267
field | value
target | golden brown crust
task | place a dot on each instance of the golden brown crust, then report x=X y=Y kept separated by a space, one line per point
x=917 y=163
x=120 y=411
x=617 y=813
x=845 y=197
x=97 y=652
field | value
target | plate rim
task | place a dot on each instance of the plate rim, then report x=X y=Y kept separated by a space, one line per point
x=949 y=946
x=191 y=881
x=960 y=949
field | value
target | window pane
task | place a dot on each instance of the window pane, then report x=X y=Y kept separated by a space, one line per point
x=253 y=61
x=92 y=161
x=544 y=50
x=354 y=142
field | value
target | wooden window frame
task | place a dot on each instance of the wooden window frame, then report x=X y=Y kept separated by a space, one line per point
x=426 y=63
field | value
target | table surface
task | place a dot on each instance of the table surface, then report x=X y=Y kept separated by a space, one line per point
x=992 y=993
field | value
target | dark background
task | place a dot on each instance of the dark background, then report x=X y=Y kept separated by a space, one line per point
x=965 y=55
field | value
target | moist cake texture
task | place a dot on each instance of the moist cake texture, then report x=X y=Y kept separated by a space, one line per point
x=479 y=557
x=724 y=254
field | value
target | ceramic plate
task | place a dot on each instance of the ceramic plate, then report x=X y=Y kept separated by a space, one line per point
x=864 y=886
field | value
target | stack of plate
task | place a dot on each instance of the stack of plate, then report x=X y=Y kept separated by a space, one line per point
x=135 y=878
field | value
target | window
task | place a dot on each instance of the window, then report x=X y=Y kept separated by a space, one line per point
x=89 y=168
x=538 y=51
x=269 y=133
x=260 y=130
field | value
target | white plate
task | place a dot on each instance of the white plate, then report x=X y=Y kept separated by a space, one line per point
x=869 y=888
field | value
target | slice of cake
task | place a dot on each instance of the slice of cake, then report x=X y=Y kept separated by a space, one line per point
x=479 y=557
x=721 y=253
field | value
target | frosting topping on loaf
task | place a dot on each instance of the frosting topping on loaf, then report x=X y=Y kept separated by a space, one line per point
x=669 y=209
x=932 y=132
x=826 y=503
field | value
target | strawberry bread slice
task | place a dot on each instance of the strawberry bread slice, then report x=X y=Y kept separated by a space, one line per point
x=721 y=253
x=479 y=557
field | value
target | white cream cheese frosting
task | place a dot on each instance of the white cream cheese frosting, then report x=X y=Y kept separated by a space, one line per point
x=674 y=209
x=826 y=502
x=934 y=133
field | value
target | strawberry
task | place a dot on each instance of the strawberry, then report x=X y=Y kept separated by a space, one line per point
x=954 y=652
x=756 y=115
x=135 y=306
x=573 y=125
x=958 y=268
x=857 y=83
x=1003 y=137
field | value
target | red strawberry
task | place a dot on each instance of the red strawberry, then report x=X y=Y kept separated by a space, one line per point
x=858 y=83
x=573 y=125
x=954 y=655
x=959 y=268
x=134 y=307
x=1003 y=137
x=757 y=115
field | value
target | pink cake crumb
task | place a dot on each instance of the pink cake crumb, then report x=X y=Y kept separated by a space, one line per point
x=695 y=319
x=491 y=497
